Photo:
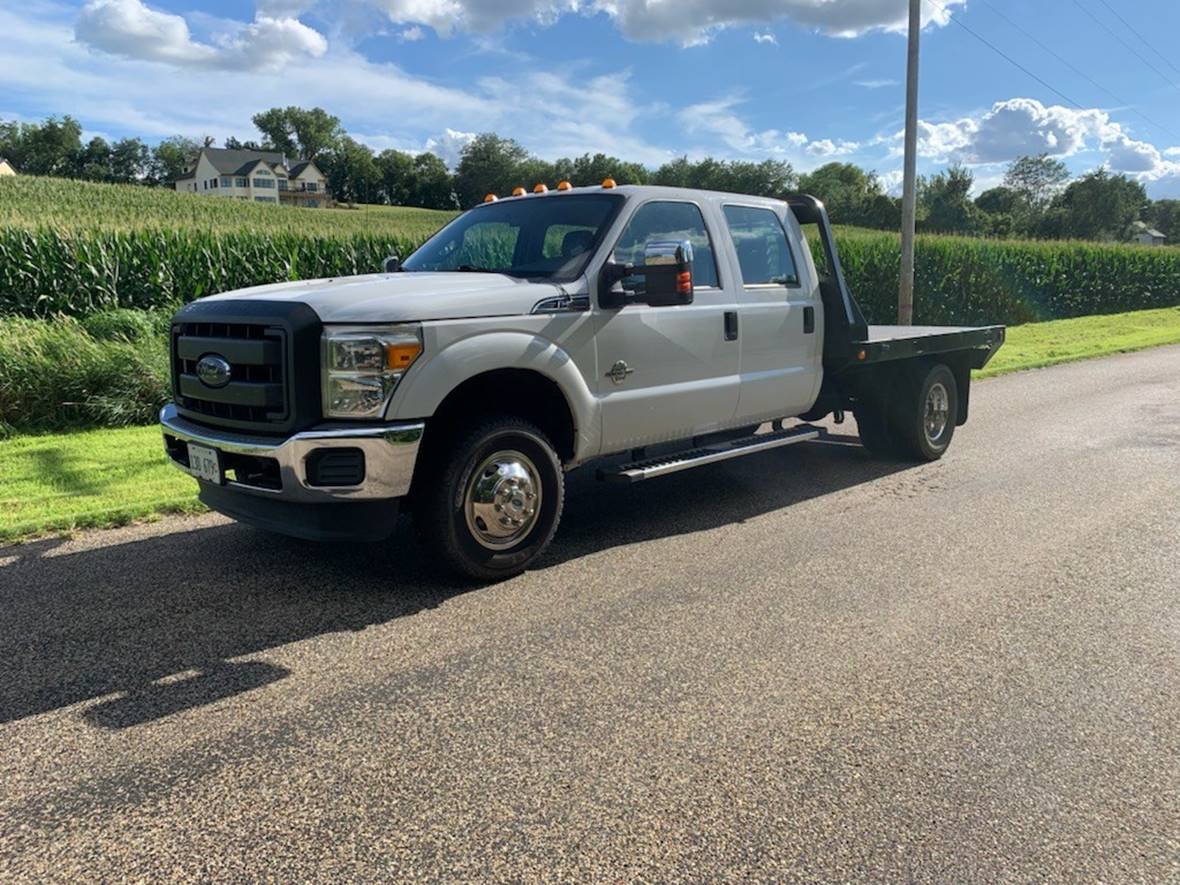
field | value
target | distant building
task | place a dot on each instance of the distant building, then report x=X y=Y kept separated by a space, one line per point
x=1148 y=236
x=6 y=168
x=260 y=176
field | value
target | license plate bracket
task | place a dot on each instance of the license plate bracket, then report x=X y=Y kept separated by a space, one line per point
x=204 y=463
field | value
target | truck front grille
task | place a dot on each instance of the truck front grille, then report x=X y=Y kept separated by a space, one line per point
x=266 y=346
x=255 y=393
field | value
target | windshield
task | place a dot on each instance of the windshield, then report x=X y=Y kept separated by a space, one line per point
x=551 y=237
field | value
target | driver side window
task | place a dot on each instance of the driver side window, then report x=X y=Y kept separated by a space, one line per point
x=663 y=222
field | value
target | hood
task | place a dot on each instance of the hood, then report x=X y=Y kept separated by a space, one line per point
x=405 y=297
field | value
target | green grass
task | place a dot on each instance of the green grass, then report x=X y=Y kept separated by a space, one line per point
x=1061 y=341
x=98 y=478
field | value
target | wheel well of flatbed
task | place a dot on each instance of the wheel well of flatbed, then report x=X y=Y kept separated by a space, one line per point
x=518 y=393
x=874 y=382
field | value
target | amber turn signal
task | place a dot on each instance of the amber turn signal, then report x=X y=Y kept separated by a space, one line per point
x=402 y=356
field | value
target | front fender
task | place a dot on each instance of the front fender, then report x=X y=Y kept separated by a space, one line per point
x=448 y=363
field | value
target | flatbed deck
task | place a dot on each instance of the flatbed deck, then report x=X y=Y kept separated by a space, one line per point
x=888 y=343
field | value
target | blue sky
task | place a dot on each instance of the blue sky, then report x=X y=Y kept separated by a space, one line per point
x=807 y=81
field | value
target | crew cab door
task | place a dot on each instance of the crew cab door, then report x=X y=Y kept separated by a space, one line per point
x=780 y=318
x=667 y=373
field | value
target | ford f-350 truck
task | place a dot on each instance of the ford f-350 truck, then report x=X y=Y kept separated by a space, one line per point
x=532 y=335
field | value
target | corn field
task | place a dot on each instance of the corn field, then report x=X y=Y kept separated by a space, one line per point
x=73 y=248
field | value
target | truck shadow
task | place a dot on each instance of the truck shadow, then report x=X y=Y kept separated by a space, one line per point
x=152 y=627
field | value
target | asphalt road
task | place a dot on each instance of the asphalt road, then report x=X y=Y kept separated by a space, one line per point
x=801 y=665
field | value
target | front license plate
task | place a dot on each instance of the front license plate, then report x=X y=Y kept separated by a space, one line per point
x=203 y=463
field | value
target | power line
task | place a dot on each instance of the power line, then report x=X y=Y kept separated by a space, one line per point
x=1135 y=52
x=1143 y=39
x=1079 y=71
x=1006 y=56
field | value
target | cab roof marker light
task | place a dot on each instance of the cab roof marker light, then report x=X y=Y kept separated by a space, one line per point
x=564 y=186
x=541 y=188
x=518 y=191
x=608 y=183
x=490 y=198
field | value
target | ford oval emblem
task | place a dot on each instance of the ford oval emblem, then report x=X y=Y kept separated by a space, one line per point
x=214 y=370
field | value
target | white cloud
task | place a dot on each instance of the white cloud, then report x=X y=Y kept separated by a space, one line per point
x=765 y=37
x=132 y=30
x=686 y=21
x=411 y=34
x=826 y=148
x=1024 y=126
x=449 y=146
x=719 y=119
x=876 y=84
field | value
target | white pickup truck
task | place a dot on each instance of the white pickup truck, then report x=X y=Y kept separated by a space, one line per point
x=530 y=336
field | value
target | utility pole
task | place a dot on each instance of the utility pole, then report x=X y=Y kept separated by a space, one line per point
x=909 y=193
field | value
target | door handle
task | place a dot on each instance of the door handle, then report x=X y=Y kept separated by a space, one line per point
x=808 y=320
x=731 y=325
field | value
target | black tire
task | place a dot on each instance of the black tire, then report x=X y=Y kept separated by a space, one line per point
x=875 y=434
x=925 y=412
x=459 y=541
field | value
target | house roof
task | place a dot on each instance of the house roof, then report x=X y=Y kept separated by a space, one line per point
x=299 y=167
x=1151 y=231
x=237 y=162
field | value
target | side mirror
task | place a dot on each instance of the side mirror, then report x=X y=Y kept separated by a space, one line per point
x=392 y=264
x=666 y=275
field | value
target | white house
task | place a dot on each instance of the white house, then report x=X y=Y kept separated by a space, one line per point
x=6 y=168
x=261 y=176
x=1148 y=236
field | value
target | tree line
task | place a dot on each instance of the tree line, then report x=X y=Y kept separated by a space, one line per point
x=1037 y=198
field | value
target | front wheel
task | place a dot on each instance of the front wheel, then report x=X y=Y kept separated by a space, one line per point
x=491 y=504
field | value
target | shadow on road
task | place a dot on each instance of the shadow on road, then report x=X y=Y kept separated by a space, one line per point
x=158 y=621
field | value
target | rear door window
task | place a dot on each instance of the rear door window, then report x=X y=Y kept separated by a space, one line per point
x=761 y=245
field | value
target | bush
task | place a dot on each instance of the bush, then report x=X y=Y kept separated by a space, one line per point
x=126 y=324
x=54 y=375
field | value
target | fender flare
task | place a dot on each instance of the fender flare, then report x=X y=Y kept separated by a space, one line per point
x=426 y=386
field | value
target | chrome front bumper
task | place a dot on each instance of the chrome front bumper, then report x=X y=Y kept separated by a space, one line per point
x=390 y=451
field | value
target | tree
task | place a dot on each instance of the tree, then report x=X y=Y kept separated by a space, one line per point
x=1164 y=215
x=397 y=177
x=1000 y=201
x=587 y=170
x=1037 y=179
x=489 y=164
x=433 y=184
x=94 y=163
x=352 y=171
x=299 y=133
x=235 y=144
x=50 y=148
x=1097 y=206
x=848 y=192
x=946 y=201
x=171 y=158
x=130 y=161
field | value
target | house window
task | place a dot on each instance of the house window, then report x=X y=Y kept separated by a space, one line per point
x=264 y=182
x=213 y=183
x=265 y=199
x=241 y=182
x=284 y=184
x=311 y=187
x=227 y=181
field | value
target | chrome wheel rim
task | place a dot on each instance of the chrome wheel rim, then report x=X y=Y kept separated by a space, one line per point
x=503 y=500
x=936 y=415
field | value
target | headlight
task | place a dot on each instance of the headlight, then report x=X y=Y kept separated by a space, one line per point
x=362 y=367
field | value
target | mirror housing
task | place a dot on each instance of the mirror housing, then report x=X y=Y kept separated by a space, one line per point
x=666 y=273
x=392 y=264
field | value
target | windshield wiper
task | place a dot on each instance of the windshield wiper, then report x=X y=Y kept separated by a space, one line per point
x=471 y=268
